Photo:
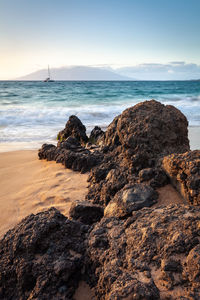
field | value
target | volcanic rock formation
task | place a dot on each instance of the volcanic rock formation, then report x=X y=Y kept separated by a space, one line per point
x=131 y=149
x=42 y=257
x=149 y=128
x=116 y=241
x=136 y=141
x=152 y=254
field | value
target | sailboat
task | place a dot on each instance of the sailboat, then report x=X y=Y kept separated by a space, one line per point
x=48 y=79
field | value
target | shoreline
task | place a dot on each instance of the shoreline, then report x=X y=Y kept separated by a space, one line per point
x=29 y=185
x=193 y=135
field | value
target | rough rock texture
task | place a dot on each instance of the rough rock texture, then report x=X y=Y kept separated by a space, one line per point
x=42 y=257
x=154 y=254
x=131 y=149
x=86 y=212
x=71 y=156
x=136 y=140
x=149 y=127
x=69 y=150
x=129 y=199
x=74 y=128
x=96 y=134
x=184 y=172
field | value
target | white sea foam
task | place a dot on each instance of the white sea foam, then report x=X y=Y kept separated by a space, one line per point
x=30 y=114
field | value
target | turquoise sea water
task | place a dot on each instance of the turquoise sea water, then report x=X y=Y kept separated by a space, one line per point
x=32 y=113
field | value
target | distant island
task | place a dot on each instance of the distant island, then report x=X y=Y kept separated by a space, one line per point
x=76 y=73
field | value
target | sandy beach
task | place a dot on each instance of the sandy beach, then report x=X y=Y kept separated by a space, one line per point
x=29 y=185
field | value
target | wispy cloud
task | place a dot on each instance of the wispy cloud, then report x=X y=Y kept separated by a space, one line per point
x=177 y=62
x=179 y=70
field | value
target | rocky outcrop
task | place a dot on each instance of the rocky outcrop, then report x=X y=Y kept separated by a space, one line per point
x=42 y=257
x=131 y=149
x=136 y=141
x=71 y=150
x=184 y=173
x=118 y=242
x=151 y=128
x=153 y=254
x=74 y=128
x=71 y=155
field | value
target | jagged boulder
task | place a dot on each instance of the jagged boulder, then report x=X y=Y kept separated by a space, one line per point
x=153 y=254
x=136 y=142
x=74 y=128
x=42 y=257
x=149 y=127
x=184 y=173
x=96 y=134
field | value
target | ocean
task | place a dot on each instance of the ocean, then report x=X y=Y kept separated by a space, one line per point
x=32 y=112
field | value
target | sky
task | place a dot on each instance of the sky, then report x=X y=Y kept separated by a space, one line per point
x=130 y=35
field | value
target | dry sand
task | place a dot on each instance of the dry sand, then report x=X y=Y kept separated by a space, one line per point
x=168 y=195
x=28 y=185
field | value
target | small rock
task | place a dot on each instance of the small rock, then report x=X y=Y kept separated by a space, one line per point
x=74 y=128
x=130 y=199
x=96 y=134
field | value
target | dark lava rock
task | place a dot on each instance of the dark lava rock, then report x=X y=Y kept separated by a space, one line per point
x=184 y=173
x=86 y=212
x=153 y=254
x=69 y=150
x=71 y=155
x=74 y=128
x=129 y=199
x=105 y=181
x=96 y=134
x=42 y=257
x=149 y=127
x=47 y=152
x=131 y=149
x=71 y=144
x=136 y=141
x=82 y=162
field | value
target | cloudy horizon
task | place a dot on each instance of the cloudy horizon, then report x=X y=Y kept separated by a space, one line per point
x=138 y=37
x=178 y=70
